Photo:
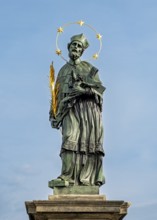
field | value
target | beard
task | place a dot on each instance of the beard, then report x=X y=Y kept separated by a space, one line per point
x=74 y=54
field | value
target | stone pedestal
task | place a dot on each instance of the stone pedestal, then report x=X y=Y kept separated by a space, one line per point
x=76 y=207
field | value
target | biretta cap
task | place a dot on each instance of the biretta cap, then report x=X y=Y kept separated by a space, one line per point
x=81 y=38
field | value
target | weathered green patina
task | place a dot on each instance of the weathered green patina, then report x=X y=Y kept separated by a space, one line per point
x=79 y=114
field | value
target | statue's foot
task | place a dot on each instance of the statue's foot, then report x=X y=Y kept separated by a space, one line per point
x=57 y=183
x=85 y=183
x=70 y=181
x=98 y=183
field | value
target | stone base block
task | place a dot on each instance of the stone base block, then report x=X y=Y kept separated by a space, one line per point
x=76 y=190
x=76 y=207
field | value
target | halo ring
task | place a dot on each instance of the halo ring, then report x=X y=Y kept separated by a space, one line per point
x=81 y=23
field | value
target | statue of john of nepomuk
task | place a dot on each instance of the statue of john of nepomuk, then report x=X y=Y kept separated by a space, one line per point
x=79 y=115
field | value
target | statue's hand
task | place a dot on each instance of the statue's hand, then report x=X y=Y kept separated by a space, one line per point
x=50 y=114
x=54 y=123
x=77 y=90
x=80 y=90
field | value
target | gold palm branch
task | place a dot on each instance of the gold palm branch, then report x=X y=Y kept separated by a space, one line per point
x=52 y=90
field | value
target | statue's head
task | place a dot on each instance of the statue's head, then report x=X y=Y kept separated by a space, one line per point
x=77 y=45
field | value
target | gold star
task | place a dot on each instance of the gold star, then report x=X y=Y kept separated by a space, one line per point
x=58 y=52
x=60 y=30
x=95 y=56
x=80 y=23
x=99 y=36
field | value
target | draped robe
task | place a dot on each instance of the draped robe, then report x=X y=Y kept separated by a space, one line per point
x=80 y=117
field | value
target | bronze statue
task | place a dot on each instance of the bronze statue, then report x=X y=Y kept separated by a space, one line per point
x=78 y=92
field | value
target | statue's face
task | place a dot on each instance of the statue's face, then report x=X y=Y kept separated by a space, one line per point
x=75 y=50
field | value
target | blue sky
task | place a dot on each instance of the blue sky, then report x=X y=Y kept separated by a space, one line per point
x=29 y=148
